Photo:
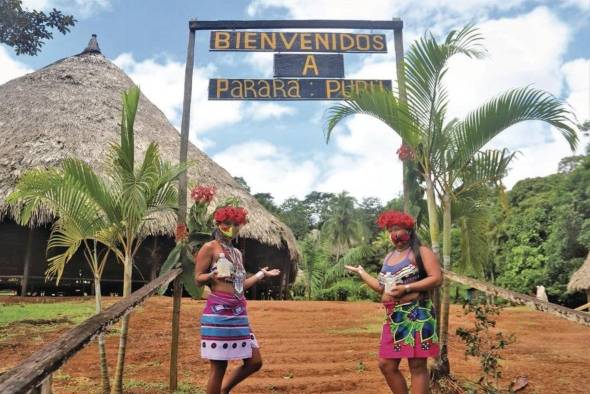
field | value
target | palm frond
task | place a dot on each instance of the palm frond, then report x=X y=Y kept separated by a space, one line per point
x=509 y=108
x=487 y=168
x=380 y=104
x=472 y=214
x=425 y=67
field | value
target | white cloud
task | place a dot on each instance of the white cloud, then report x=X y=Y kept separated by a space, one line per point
x=263 y=111
x=262 y=62
x=166 y=92
x=437 y=15
x=366 y=163
x=577 y=78
x=268 y=168
x=10 y=68
x=80 y=8
x=524 y=50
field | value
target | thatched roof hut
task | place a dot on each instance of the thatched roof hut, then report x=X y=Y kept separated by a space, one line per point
x=72 y=108
x=580 y=280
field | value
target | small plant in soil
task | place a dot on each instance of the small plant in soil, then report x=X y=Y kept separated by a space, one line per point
x=485 y=343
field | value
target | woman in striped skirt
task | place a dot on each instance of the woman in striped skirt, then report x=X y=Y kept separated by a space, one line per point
x=225 y=328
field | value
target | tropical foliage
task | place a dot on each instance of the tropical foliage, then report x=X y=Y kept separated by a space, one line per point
x=449 y=153
x=115 y=210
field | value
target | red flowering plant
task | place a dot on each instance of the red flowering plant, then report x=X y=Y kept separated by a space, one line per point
x=190 y=237
x=406 y=153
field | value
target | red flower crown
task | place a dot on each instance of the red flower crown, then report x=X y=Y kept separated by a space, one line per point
x=231 y=215
x=389 y=219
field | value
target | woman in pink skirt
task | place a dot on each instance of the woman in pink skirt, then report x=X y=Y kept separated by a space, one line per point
x=225 y=328
x=409 y=331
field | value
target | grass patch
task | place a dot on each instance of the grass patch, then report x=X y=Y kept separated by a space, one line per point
x=46 y=313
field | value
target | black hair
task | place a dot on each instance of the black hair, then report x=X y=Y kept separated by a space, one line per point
x=415 y=245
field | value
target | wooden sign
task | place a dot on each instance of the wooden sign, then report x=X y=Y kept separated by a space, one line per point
x=309 y=66
x=297 y=42
x=290 y=89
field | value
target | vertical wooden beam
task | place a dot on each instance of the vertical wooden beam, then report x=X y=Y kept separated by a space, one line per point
x=398 y=43
x=175 y=333
x=185 y=125
x=27 y=266
x=182 y=192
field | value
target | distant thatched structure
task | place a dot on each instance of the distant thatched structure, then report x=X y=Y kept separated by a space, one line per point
x=580 y=280
x=72 y=108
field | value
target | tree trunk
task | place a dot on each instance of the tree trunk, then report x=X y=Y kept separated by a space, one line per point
x=102 y=354
x=434 y=234
x=406 y=190
x=442 y=366
x=432 y=216
x=118 y=384
x=27 y=266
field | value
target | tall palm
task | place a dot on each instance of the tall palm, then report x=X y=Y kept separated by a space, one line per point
x=121 y=206
x=142 y=193
x=448 y=152
x=343 y=226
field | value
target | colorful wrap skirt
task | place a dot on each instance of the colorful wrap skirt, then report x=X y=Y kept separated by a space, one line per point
x=225 y=329
x=409 y=331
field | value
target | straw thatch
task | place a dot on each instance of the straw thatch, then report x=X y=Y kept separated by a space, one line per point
x=72 y=108
x=580 y=280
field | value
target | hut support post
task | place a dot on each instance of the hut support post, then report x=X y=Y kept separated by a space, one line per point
x=27 y=267
x=175 y=334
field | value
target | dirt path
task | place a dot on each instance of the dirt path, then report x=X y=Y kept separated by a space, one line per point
x=314 y=347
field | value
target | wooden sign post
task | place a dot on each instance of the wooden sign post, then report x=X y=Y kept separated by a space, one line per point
x=232 y=36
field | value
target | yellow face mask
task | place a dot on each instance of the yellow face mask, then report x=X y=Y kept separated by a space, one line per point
x=228 y=231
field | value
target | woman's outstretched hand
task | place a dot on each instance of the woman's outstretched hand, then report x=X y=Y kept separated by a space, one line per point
x=357 y=270
x=270 y=273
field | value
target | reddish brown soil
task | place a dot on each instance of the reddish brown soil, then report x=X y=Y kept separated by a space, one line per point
x=314 y=347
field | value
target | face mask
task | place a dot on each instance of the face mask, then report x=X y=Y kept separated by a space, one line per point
x=400 y=237
x=228 y=231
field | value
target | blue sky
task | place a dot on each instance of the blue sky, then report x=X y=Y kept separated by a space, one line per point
x=278 y=147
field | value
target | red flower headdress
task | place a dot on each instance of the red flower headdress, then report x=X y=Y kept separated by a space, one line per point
x=231 y=215
x=389 y=219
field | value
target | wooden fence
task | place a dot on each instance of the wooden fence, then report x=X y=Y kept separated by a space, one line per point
x=34 y=374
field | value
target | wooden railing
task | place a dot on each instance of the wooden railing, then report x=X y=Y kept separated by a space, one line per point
x=34 y=374
x=523 y=299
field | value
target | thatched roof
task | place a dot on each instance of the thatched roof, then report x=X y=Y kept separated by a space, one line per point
x=72 y=108
x=580 y=280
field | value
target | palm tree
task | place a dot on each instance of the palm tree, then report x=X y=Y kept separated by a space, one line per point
x=448 y=152
x=78 y=225
x=343 y=226
x=114 y=211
